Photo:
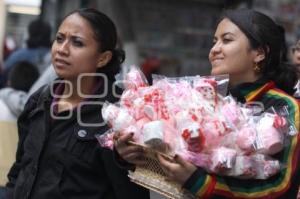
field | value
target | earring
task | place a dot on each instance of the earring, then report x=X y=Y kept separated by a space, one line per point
x=256 y=68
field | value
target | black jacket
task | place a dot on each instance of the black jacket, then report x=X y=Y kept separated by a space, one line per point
x=60 y=158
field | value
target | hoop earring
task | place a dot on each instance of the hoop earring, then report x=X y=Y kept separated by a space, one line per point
x=256 y=68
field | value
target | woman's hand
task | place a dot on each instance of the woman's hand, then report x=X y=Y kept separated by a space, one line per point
x=131 y=153
x=176 y=169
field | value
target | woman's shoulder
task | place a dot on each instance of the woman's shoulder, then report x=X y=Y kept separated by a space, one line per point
x=280 y=99
x=37 y=97
x=280 y=95
x=43 y=90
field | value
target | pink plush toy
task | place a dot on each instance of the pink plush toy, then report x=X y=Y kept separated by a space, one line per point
x=117 y=117
x=223 y=159
x=269 y=139
x=244 y=167
x=128 y=97
x=232 y=114
x=245 y=139
x=266 y=166
x=134 y=79
x=194 y=137
x=207 y=88
x=213 y=131
x=279 y=122
x=109 y=112
x=106 y=140
x=271 y=167
x=182 y=119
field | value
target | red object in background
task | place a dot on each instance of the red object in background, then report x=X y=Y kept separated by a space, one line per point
x=9 y=46
x=150 y=65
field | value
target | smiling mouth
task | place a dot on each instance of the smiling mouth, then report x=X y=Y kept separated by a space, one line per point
x=60 y=62
x=216 y=61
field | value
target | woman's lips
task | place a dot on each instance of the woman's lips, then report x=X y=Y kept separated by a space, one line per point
x=216 y=61
x=61 y=62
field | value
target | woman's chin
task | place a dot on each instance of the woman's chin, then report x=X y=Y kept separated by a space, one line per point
x=65 y=76
x=216 y=71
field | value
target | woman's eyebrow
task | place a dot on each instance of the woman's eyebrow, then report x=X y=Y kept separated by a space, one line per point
x=227 y=33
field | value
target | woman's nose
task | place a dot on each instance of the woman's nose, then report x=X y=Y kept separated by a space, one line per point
x=63 y=48
x=216 y=48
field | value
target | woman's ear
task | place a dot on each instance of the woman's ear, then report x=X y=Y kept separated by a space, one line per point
x=104 y=58
x=260 y=55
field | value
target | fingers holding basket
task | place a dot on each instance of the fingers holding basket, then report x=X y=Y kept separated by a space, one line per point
x=131 y=153
x=176 y=169
x=134 y=155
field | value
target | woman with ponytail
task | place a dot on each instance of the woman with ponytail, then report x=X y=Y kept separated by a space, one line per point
x=58 y=155
x=249 y=46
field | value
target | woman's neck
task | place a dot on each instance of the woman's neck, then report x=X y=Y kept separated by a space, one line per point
x=236 y=80
x=77 y=90
x=72 y=100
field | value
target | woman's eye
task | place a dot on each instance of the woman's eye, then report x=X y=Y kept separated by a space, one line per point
x=226 y=40
x=59 y=39
x=77 y=43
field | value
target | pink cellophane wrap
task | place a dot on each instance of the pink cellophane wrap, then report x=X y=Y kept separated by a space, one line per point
x=188 y=116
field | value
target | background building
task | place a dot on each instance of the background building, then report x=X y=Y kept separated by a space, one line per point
x=177 y=34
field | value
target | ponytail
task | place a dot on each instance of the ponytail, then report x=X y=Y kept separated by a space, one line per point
x=114 y=65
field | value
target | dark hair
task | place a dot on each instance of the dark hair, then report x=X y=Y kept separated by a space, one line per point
x=264 y=33
x=22 y=75
x=39 y=34
x=106 y=36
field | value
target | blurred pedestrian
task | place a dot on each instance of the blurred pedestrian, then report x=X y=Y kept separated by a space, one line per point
x=37 y=46
x=12 y=100
x=296 y=55
x=295 y=59
x=14 y=96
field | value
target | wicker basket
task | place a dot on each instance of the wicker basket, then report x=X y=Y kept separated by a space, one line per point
x=152 y=176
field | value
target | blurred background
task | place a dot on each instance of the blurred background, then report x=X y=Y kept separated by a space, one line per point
x=170 y=37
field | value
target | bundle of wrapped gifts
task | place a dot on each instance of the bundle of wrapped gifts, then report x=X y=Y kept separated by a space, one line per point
x=191 y=116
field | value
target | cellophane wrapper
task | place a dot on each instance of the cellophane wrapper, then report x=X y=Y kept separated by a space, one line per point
x=192 y=117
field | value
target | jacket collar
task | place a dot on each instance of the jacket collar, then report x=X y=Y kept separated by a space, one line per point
x=102 y=93
x=251 y=91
